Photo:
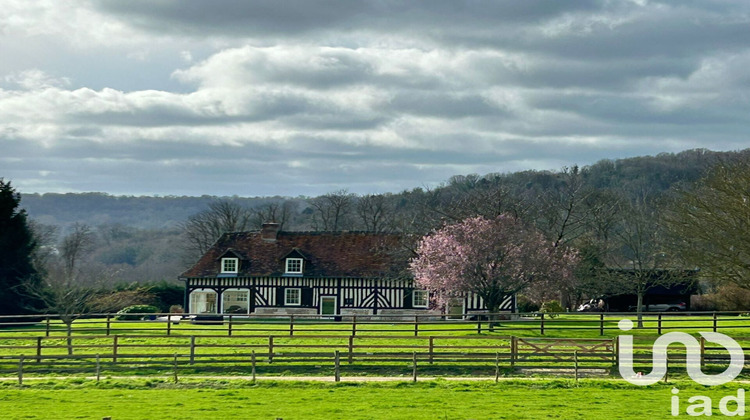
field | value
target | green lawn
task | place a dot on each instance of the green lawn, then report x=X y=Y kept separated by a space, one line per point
x=215 y=352
x=564 y=325
x=156 y=399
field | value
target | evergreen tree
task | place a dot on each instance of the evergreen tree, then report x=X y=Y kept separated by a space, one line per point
x=16 y=248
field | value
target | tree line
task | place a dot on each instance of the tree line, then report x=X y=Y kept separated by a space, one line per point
x=637 y=216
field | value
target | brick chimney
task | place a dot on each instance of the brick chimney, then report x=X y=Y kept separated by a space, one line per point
x=269 y=231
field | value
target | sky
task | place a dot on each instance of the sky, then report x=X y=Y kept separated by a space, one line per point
x=303 y=97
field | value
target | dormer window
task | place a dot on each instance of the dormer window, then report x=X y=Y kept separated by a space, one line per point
x=293 y=266
x=230 y=265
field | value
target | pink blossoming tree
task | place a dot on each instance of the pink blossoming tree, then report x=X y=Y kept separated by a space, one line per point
x=491 y=258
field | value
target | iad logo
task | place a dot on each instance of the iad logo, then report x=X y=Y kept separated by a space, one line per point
x=699 y=405
x=693 y=358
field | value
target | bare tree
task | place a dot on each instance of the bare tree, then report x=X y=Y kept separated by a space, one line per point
x=638 y=259
x=375 y=212
x=332 y=211
x=45 y=237
x=203 y=229
x=710 y=223
x=69 y=281
x=561 y=215
x=275 y=212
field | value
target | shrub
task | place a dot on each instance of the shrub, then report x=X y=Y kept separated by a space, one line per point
x=526 y=305
x=552 y=308
x=176 y=309
x=107 y=302
x=726 y=297
x=167 y=294
x=136 y=309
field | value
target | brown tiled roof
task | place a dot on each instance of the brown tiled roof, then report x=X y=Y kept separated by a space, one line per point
x=328 y=254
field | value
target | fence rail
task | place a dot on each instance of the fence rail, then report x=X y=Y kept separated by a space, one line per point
x=230 y=324
x=138 y=354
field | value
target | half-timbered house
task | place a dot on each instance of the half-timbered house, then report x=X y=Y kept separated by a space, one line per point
x=313 y=273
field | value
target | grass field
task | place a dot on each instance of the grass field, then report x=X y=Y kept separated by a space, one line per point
x=196 y=398
x=440 y=399
x=218 y=353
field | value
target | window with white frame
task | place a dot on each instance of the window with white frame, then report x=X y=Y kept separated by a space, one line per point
x=230 y=265
x=293 y=266
x=420 y=298
x=292 y=297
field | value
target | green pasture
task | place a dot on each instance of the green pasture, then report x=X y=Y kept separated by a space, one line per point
x=563 y=325
x=437 y=399
x=215 y=351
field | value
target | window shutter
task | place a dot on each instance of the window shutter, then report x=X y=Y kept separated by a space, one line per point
x=307 y=296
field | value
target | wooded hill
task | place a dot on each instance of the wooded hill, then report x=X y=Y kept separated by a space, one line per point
x=142 y=238
x=656 y=173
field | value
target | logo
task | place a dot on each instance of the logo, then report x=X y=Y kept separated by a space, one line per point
x=693 y=357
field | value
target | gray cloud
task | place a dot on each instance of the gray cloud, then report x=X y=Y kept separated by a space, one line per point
x=301 y=98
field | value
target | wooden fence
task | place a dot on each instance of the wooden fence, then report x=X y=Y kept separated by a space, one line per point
x=315 y=354
x=544 y=324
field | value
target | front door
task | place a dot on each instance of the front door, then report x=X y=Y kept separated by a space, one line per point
x=328 y=305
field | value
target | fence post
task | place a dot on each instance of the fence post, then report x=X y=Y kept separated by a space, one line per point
x=252 y=361
x=114 y=349
x=169 y=324
x=513 y=350
x=337 y=366
x=414 y=373
x=497 y=366
x=192 y=349
x=354 y=325
x=416 y=325
x=615 y=350
x=351 y=348
x=174 y=370
x=291 y=325
x=716 y=322
x=575 y=361
x=541 y=325
x=703 y=351
x=479 y=324
x=432 y=346
x=46 y=333
x=601 y=323
x=38 y=349
x=98 y=368
x=270 y=348
x=109 y=323
x=658 y=324
x=20 y=370
x=229 y=327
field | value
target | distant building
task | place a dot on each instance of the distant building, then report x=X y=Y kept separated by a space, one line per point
x=312 y=273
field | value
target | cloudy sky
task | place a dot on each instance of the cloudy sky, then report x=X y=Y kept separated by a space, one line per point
x=301 y=97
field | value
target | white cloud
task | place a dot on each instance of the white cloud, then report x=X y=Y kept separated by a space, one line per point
x=391 y=95
x=35 y=79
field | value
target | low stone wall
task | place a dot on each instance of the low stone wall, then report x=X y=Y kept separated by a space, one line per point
x=286 y=311
x=408 y=314
x=389 y=314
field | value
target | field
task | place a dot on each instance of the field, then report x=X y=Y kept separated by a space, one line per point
x=440 y=399
x=306 y=347
x=212 y=388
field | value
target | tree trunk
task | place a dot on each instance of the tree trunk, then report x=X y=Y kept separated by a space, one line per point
x=69 y=325
x=639 y=309
x=493 y=309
